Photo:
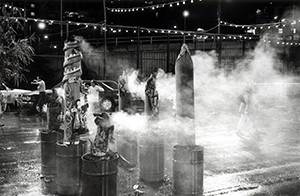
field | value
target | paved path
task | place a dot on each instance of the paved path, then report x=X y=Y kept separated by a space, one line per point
x=265 y=162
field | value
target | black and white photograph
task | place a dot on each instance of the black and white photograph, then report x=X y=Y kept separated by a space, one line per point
x=150 y=97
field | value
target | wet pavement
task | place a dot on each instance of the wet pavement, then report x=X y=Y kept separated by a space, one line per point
x=265 y=162
x=20 y=162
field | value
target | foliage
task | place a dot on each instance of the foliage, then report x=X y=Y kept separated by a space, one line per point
x=15 y=51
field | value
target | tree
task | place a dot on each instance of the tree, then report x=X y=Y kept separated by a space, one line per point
x=15 y=51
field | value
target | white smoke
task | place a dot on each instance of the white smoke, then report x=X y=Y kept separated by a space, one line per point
x=135 y=86
x=216 y=89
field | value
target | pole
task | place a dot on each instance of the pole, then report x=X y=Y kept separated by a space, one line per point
x=185 y=14
x=219 y=17
x=168 y=52
x=219 y=41
x=138 y=49
x=184 y=24
x=104 y=52
x=67 y=30
x=25 y=21
x=61 y=25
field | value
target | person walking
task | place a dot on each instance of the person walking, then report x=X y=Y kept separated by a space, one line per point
x=246 y=109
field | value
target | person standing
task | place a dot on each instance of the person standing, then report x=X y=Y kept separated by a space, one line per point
x=42 y=92
x=151 y=98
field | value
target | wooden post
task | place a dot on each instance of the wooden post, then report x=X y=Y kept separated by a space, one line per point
x=105 y=44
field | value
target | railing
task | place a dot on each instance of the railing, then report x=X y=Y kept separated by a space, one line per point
x=43 y=46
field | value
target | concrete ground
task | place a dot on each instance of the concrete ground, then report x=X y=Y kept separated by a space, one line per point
x=264 y=162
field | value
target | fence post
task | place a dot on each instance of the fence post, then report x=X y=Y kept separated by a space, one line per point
x=168 y=53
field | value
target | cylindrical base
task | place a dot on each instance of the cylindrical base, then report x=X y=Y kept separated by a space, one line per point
x=52 y=113
x=188 y=170
x=49 y=185
x=151 y=156
x=127 y=147
x=48 y=153
x=69 y=168
x=99 y=176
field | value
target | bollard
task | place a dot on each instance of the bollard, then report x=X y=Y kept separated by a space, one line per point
x=48 y=152
x=151 y=156
x=48 y=161
x=69 y=167
x=99 y=175
x=188 y=170
x=127 y=146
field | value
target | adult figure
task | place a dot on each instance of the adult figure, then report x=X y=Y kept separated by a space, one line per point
x=246 y=109
x=151 y=99
x=94 y=91
x=42 y=92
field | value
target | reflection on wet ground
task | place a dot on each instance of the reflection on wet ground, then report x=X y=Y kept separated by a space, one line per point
x=269 y=155
x=20 y=154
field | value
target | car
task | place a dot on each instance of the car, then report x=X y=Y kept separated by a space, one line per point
x=20 y=98
x=109 y=99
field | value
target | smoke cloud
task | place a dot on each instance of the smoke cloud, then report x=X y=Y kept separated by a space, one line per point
x=216 y=89
x=94 y=59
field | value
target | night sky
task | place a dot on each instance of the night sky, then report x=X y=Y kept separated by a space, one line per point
x=202 y=14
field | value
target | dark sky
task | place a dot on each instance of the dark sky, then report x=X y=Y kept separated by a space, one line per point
x=202 y=14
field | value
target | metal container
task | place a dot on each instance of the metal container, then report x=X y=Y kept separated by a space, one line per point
x=188 y=170
x=127 y=146
x=48 y=153
x=151 y=158
x=69 y=167
x=49 y=185
x=99 y=176
x=52 y=114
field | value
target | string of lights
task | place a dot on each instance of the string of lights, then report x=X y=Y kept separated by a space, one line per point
x=13 y=7
x=51 y=22
x=151 y=7
x=204 y=35
x=58 y=33
x=282 y=23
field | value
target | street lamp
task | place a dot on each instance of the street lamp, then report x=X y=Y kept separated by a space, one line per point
x=185 y=15
x=42 y=25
